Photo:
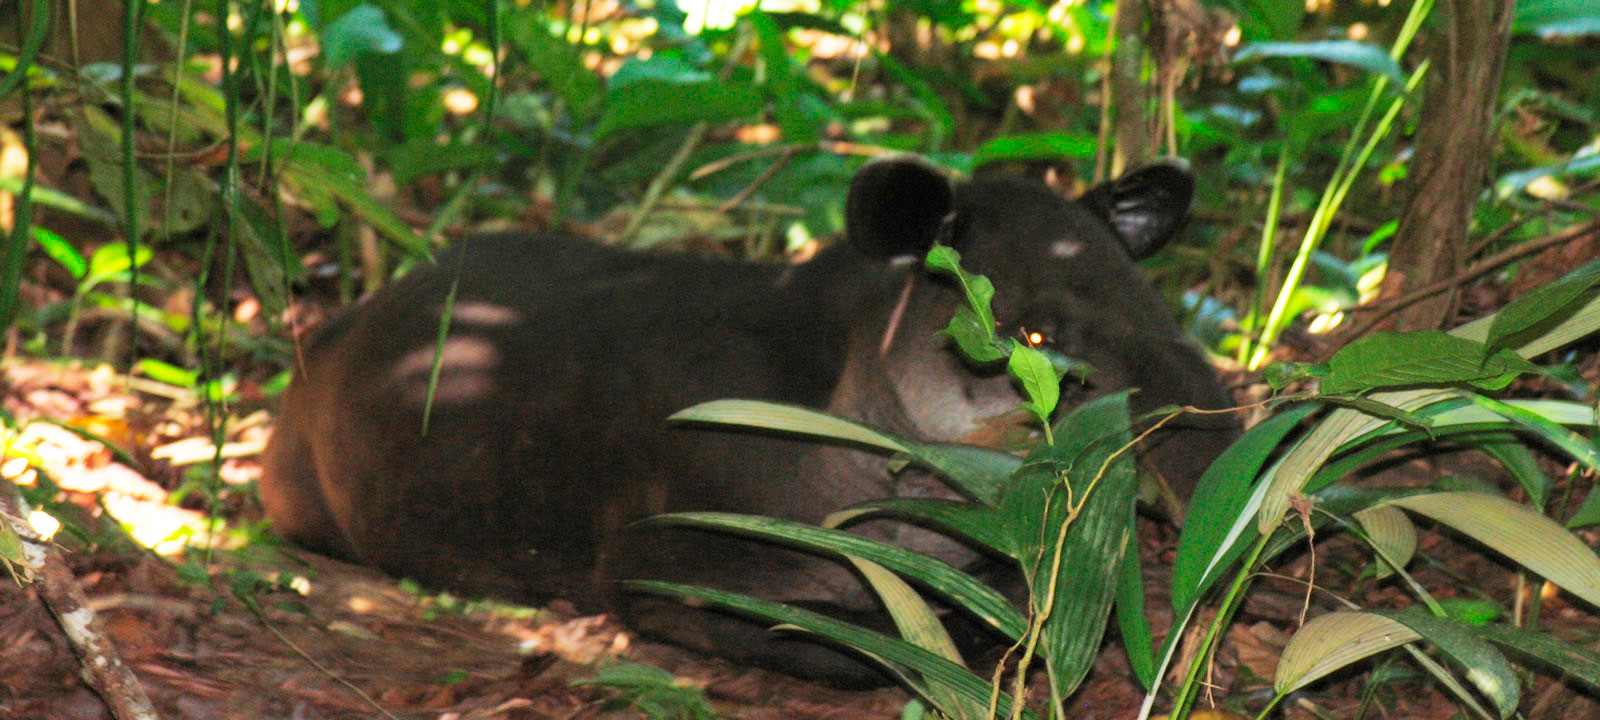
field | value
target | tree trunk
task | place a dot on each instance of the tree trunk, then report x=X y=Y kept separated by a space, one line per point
x=1453 y=144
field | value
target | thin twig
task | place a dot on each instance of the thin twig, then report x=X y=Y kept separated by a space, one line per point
x=102 y=668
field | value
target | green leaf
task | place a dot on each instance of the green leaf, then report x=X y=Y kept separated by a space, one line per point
x=1486 y=668
x=981 y=600
x=787 y=418
x=1216 y=527
x=970 y=521
x=650 y=102
x=1557 y=17
x=1078 y=570
x=1138 y=641
x=110 y=262
x=1038 y=378
x=365 y=28
x=1579 y=447
x=558 y=63
x=1587 y=514
x=1541 y=303
x=1370 y=58
x=913 y=617
x=1391 y=534
x=322 y=174
x=1329 y=642
x=972 y=325
x=977 y=472
x=61 y=251
x=1419 y=357
x=1035 y=146
x=895 y=654
x=1569 y=659
x=1535 y=541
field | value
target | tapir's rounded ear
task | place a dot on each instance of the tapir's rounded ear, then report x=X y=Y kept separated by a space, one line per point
x=1145 y=207
x=896 y=206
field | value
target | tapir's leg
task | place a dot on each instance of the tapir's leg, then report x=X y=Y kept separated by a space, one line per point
x=294 y=499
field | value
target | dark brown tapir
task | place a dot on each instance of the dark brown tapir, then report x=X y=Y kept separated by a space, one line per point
x=547 y=439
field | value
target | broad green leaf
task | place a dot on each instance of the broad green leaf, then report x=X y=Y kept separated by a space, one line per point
x=976 y=523
x=1569 y=659
x=1370 y=58
x=978 y=472
x=1486 y=668
x=1419 y=357
x=787 y=418
x=1535 y=541
x=1581 y=321
x=912 y=616
x=982 y=601
x=1543 y=302
x=650 y=102
x=1391 y=534
x=1329 y=642
x=110 y=262
x=1579 y=447
x=1075 y=572
x=1038 y=378
x=896 y=654
x=1218 y=516
x=974 y=336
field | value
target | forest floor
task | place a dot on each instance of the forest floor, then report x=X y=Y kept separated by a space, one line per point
x=228 y=635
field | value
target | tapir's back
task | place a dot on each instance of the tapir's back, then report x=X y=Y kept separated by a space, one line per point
x=546 y=426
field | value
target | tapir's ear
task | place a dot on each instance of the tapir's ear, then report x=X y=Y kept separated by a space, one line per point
x=1145 y=207
x=896 y=206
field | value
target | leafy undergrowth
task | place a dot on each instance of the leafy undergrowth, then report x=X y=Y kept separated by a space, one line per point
x=200 y=651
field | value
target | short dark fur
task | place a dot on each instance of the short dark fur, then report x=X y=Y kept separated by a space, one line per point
x=546 y=438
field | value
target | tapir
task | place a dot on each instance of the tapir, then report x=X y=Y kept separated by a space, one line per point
x=545 y=441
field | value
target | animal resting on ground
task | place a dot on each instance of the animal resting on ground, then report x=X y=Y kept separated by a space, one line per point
x=546 y=438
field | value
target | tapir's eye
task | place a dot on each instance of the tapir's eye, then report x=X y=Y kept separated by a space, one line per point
x=1035 y=339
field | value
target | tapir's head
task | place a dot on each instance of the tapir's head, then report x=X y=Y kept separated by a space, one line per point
x=1061 y=268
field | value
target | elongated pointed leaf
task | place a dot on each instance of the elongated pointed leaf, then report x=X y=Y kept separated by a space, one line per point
x=1132 y=622
x=1329 y=642
x=1570 y=659
x=1486 y=668
x=1535 y=541
x=976 y=523
x=977 y=472
x=1218 y=517
x=1367 y=57
x=1573 y=444
x=898 y=655
x=788 y=418
x=912 y=616
x=1076 y=572
x=961 y=589
x=1419 y=357
x=1542 y=303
